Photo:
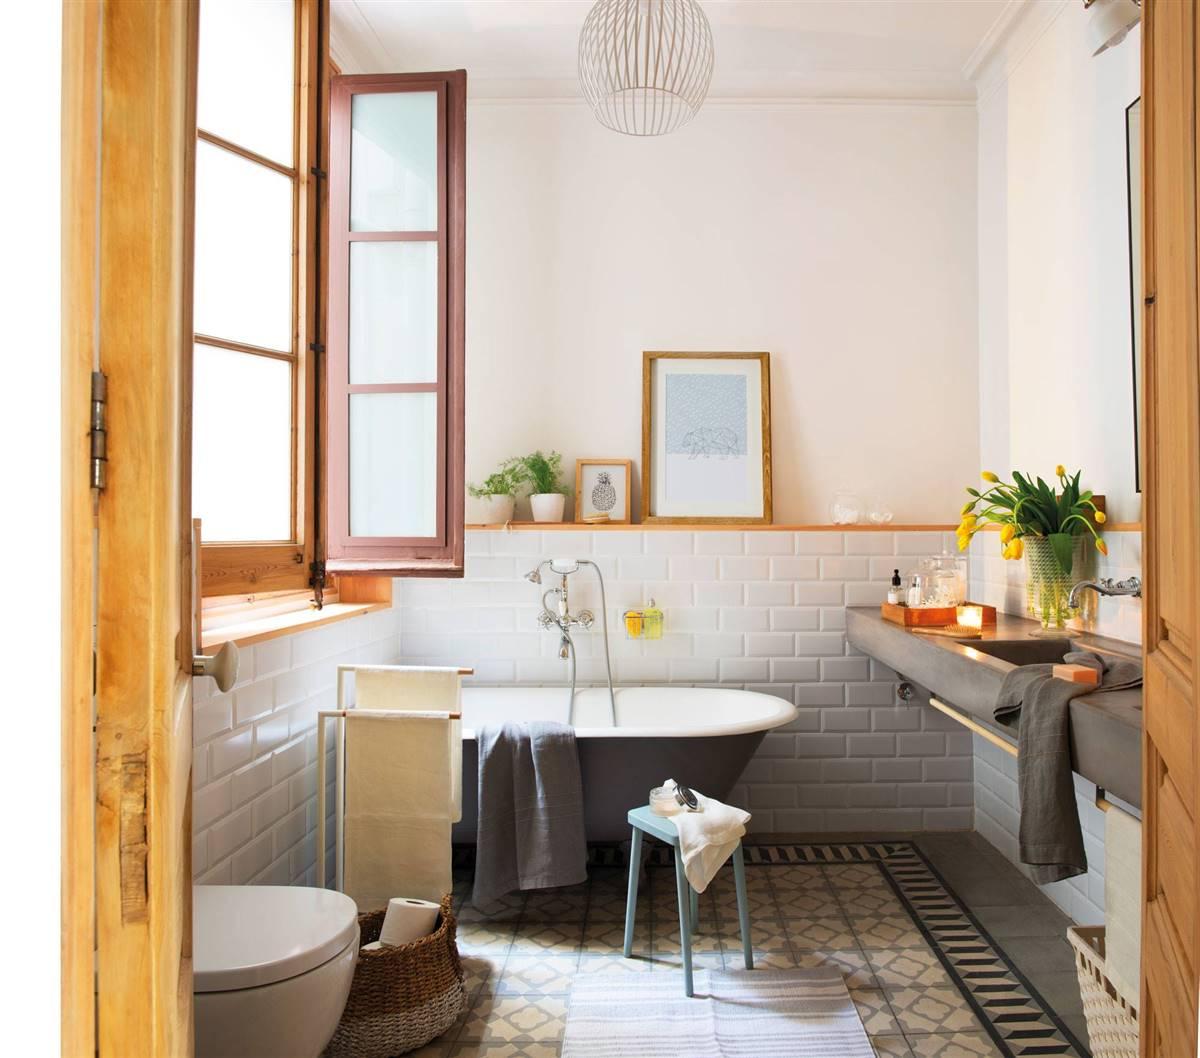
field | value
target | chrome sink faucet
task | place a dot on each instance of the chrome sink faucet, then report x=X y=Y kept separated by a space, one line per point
x=1106 y=586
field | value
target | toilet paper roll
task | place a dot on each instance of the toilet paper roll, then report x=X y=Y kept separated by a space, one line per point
x=407 y=919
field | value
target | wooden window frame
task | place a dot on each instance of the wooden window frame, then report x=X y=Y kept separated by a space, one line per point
x=246 y=567
x=442 y=554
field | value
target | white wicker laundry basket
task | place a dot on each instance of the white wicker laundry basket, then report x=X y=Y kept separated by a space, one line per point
x=1111 y=1018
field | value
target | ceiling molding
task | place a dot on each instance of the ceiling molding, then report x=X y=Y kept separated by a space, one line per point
x=1009 y=48
x=353 y=44
x=994 y=37
x=738 y=102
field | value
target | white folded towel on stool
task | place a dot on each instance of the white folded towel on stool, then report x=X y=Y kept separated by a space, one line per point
x=707 y=837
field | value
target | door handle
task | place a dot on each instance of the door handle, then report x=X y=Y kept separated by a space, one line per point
x=221 y=666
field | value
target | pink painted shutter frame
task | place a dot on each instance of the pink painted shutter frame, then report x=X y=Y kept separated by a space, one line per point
x=440 y=554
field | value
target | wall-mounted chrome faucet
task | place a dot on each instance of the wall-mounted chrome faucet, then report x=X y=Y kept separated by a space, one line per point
x=559 y=616
x=1106 y=586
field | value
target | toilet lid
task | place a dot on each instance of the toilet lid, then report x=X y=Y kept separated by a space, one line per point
x=244 y=936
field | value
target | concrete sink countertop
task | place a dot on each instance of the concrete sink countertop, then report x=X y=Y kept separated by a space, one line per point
x=1106 y=728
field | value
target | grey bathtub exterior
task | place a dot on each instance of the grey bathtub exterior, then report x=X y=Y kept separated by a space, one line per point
x=619 y=773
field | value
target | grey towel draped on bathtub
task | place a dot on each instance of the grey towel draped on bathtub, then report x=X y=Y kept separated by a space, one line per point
x=1051 y=841
x=530 y=810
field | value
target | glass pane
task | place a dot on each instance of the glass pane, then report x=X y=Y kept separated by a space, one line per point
x=393 y=312
x=247 y=74
x=243 y=250
x=242 y=445
x=393 y=464
x=393 y=161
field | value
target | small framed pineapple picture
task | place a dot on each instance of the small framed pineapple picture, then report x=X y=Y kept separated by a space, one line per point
x=602 y=489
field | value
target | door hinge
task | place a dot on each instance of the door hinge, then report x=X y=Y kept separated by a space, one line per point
x=316 y=581
x=98 y=429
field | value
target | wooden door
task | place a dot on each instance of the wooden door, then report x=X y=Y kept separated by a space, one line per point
x=128 y=134
x=1171 y=519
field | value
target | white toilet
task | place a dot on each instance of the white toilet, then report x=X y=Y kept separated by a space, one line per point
x=273 y=966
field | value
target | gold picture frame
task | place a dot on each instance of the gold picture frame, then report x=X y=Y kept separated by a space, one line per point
x=739 y=453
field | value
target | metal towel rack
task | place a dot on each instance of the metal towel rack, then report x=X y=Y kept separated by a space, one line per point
x=1102 y=802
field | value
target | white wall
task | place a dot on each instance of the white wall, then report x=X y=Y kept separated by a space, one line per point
x=841 y=238
x=1054 y=314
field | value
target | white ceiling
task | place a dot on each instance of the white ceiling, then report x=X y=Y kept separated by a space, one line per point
x=764 y=48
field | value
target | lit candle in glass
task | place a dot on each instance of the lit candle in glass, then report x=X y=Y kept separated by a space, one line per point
x=970 y=616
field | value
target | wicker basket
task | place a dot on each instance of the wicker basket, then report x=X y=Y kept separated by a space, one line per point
x=402 y=997
x=1111 y=1018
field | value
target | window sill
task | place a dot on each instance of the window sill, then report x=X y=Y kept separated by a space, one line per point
x=264 y=628
x=246 y=623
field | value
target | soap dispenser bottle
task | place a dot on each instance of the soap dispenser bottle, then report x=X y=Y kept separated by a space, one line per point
x=895 y=594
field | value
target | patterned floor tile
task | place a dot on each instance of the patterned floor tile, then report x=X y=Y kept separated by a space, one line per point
x=766 y=934
x=538 y=975
x=532 y=938
x=485 y=937
x=850 y=962
x=596 y=964
x=608 y=938
x=763 y=960
x=529 y=1049
x=855 y=907
x=932 y=1010
x=482 y=972
x=871 y=902
x=954 y=1045
x=886 y=931
x=846 y=876
x=908 y=968
x=512 y=1018
x=808 y=903
x=873 y=1009
x=822 y=933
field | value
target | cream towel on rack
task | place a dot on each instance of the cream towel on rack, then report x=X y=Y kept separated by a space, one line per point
x=396 y=836
x=405 y=687
x=1123 y=902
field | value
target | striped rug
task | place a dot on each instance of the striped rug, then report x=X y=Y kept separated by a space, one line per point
x=734 y=1014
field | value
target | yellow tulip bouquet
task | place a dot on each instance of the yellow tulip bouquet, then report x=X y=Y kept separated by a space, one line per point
x=1028 y=507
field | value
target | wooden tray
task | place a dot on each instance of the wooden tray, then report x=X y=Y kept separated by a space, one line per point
x=931 y=616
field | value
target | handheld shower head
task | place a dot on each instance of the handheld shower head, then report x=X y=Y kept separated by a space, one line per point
x=534 y=576
x=564 y=566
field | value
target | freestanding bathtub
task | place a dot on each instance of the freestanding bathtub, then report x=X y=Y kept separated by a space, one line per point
x=704 y=737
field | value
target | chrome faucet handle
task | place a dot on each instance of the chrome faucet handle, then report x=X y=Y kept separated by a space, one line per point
x=545 y=619
x=586 y=618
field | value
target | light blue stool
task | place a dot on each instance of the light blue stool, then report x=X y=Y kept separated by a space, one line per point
x=643 y=820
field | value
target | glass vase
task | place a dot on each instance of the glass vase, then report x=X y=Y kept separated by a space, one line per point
x=1048 y=585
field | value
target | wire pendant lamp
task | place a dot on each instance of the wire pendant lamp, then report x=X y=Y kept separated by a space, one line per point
x=645 y=65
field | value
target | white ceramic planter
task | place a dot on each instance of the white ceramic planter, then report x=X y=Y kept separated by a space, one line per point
x=494 y=510
x=547 y=506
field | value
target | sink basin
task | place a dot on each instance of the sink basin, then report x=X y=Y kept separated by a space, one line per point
x=1022 y=651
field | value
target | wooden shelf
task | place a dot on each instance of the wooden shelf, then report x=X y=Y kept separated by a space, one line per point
x=705 y=527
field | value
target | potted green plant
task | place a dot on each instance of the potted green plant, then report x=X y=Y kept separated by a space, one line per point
x=1045 y=525
x=498 y=494
x=543 y=474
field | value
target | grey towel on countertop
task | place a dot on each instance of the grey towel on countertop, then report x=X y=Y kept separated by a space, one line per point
x=530 y=810
x=1051 y=841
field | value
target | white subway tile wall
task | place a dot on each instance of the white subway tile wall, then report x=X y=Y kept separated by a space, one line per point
x=764 y=610
x=1002 y=584
x=997 y=818
x=254 y=761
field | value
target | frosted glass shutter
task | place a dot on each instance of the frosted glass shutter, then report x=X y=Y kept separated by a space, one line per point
x=394 y=363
